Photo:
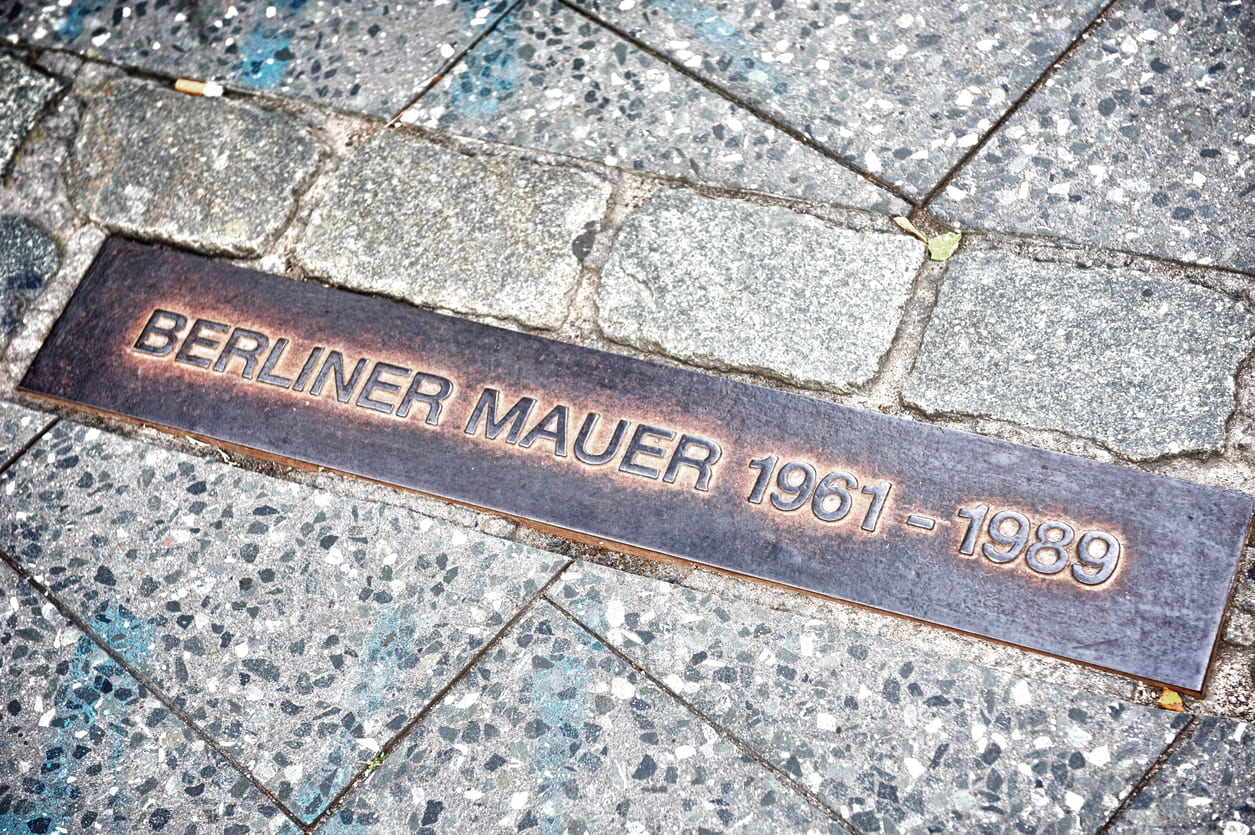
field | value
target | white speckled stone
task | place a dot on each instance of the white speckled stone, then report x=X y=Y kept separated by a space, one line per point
x=731 y=285
x=1138 y=363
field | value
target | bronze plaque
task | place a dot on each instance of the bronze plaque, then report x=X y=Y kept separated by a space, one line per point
x=1101 y=564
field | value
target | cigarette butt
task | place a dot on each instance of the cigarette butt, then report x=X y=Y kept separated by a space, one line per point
x=198 y=88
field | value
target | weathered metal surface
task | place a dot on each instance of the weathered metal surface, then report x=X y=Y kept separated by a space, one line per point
x=1101 y=564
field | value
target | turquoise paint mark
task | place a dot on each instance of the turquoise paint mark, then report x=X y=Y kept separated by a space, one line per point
x=72 y=26
x=490 y=77
x=264 y=52
x=723 y=39
x=561 y=700
x=50 y=793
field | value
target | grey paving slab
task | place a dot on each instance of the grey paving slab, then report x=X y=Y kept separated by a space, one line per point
x=728 y=284
x=209 y=174
x=86 y=748
x=18 y=426
x=24 y=92
x=548 y=78
x=1144 y=142
x=1207 y=785
x=370 y=58
x=489 y=235
x=552 y=732
x=300 y=629
x=895 y=739
x=28 y=258
x=900 y=88
x=1138 y=363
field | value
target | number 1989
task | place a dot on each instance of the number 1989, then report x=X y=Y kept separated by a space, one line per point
x=1049 y=551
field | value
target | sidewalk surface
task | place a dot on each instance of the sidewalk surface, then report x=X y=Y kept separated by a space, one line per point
x=192 y=641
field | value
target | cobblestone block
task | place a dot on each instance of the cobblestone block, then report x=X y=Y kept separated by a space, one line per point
x=1138 y=363
x=487 y=235
x=24 y=92
x=726 y=284
x=209 y=174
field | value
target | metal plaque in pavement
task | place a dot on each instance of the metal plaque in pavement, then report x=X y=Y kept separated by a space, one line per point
x=1101 y=564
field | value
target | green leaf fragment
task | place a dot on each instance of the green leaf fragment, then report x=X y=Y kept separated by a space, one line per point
x=943 y=246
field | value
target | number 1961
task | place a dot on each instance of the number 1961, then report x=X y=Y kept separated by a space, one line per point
x=1097 y=553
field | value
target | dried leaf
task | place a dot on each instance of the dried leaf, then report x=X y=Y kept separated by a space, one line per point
x=910 y=227
x=1171 y=700
x=943 y=246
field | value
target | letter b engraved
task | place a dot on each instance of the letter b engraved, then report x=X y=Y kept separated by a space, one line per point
x=158 y=339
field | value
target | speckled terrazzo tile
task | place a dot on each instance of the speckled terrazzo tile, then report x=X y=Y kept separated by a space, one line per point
x=1207 y=785
x=551 y=731
x=549 y=78
x=84 y=747
x=18 y=425
x=896 y=740
x=1144 y=142
x=900 y=88
x=370 y=58
x=300 y=629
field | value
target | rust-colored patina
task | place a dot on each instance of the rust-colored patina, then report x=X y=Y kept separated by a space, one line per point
x=1101 y=564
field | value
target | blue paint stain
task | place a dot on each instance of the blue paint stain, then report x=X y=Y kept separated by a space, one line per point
x=722 y=38
x=90 y=683
x=72 y=26
x=491 y=74
x=264 y=52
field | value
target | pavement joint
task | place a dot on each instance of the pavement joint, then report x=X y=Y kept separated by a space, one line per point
x=170 y=704
x=392 y=744
x=1182 y=736
x=744 y=747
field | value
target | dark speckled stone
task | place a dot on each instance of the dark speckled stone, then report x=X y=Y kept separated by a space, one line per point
x=28 y=258
x=898 y=87
x=84 y=747
x=301 y=630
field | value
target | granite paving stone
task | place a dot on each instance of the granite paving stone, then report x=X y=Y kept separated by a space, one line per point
x=552 y=731
x=369 y=58
x=727 y=284
x=28 y=258
x=901 y=89
x=490 y=235
x=87 y=748
x=205 y=173
x=1207 y=785
x=895 y=739
x=24 y=92
x=18 y=427
x=549 y=78
x=1144 y=142
x=1141 y=364
x=300 y=629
